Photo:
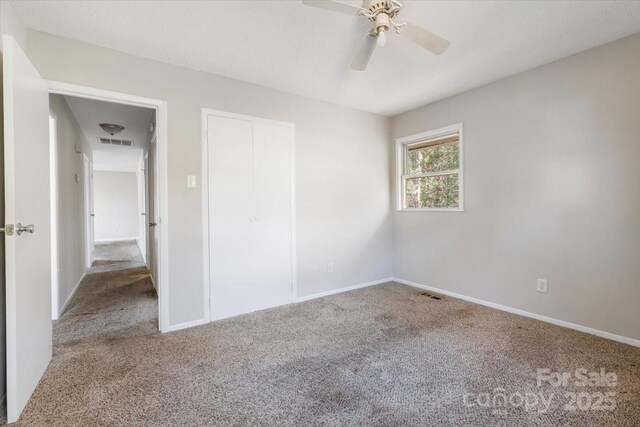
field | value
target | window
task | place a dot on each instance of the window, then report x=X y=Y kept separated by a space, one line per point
x=429 y=169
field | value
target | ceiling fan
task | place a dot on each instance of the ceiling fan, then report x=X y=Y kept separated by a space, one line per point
x=381 y=14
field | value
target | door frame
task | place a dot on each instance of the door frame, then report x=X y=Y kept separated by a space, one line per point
x=161 y=108
x=206 y=112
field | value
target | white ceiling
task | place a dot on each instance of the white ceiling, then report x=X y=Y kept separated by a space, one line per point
x=304 y=50
x=90 y=113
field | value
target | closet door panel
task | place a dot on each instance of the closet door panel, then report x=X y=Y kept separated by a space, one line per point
x=272 y=145
x=230 y=204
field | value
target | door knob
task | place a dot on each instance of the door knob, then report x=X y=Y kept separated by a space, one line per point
x=24 y=228
x=152 y=224
x=7 y=229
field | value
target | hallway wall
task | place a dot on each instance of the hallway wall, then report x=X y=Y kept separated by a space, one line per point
x=71 y=224
x=115 y=201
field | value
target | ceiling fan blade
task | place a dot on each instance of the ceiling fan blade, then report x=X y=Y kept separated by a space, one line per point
x=364 y=53
x=334 y=6
x=425 y=39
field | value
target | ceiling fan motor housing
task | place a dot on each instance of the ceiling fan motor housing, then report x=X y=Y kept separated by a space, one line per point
x=382 y=22
x=381 y=12
x=376 y=6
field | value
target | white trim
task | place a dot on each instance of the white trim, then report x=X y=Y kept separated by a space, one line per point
x=73 y=292
x=117 y=240
x=206 y=112
x=341 y=290
x=185 y=325
x=161 y=109
x=563 y=323
x=432 y=134
x=143 y=255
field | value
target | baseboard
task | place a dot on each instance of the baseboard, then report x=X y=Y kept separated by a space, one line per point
x=118 y=240
x=73 y=292
x=153 y=282
x=143 y=253
x=340 y=290
x=581 y=328
x=185 y=325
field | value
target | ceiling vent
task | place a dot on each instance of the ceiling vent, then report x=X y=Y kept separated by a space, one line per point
x=119 y=142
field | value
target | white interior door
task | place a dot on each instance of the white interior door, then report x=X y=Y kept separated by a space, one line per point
x=250 y=215
x=28 y=255
x=272 y=238
x=142 y=208
x=88 y=210
x=153 y=210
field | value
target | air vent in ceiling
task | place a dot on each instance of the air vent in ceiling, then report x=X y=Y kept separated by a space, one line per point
x=120 y=142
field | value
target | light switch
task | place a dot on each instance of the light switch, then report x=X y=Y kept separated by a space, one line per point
x=191 y=181
x=77 y=178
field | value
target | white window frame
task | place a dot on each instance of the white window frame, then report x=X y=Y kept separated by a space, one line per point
x=402 y=143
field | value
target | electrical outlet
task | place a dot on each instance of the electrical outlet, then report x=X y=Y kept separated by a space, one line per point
x=541 y=285
x=330 y=268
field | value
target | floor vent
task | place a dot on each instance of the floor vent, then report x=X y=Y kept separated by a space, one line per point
x=427 y=294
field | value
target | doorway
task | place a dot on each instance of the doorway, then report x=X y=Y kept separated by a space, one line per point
x=149 y=183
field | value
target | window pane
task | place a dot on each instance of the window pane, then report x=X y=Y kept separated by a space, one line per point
x=432 y=158
x=432 y=192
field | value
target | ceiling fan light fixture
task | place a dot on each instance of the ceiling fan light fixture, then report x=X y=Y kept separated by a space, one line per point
x=381 y=40
x=111 y=128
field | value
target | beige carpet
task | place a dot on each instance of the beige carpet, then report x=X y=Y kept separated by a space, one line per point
x=380 y=356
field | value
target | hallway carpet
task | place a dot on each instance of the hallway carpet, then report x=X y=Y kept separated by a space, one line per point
x=378 y=356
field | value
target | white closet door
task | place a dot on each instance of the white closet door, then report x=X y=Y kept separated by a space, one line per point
x=250 y=193
x=272 y=166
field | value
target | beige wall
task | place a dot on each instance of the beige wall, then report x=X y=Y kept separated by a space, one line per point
x=11 y=24
x=71 y=224
x=552 y=190
x=115 y=204
x=342 y=166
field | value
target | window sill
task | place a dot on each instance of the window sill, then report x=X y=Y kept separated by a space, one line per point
x=429 y=209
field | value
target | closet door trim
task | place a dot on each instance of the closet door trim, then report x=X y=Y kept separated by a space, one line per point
x=204 y=181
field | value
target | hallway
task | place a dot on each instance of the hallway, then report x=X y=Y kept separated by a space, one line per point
x=115 y=297
x=115 y=303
